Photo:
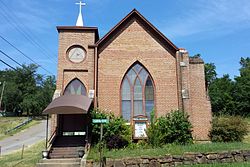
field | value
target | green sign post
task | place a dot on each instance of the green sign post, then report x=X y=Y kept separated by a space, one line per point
x=100 y=121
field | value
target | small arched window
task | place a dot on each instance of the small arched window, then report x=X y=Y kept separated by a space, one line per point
x=75 y=87
x=137 y=93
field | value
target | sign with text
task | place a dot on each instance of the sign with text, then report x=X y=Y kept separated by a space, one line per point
x=140 y=129
x=100 y=121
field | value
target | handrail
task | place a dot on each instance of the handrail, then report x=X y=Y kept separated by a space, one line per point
x=53 y=134
x=20 y=125
x=51 y=139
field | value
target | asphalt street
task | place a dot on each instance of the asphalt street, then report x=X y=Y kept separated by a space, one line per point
x=26 y=137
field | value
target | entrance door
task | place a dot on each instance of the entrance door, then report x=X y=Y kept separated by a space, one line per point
x=73 y=124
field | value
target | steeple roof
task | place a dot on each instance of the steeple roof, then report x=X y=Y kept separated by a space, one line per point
x=79 y=21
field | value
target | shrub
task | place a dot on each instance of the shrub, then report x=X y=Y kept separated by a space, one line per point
x=173 y=128
x=116 y=142
x=115 y=129
x=153 y=132
x=95 y=128
x=228 y=129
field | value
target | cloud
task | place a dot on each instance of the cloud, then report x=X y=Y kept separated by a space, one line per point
x=27 y=15
x=212 y=17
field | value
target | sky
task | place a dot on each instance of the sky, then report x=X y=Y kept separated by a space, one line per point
x=219 y=30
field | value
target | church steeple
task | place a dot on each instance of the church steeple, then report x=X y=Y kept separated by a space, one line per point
x=79 y=21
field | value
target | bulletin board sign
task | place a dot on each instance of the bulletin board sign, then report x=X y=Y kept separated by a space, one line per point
x=140 y=128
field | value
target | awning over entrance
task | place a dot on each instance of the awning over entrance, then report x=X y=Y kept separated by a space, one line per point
x=69 y=104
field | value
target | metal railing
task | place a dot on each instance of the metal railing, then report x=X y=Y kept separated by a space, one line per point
x=19 y=126
x=51 y=139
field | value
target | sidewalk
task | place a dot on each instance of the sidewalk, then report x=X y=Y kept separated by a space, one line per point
x=26 y=137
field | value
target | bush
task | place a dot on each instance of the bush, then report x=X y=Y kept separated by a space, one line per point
x=116 y=129
x=116 y=142
x=153 y=131
x=173 y=128
x=228 y=129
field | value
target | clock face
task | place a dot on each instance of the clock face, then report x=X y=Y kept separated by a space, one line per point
x=77 y=54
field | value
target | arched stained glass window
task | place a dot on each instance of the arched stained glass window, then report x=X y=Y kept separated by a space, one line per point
x=126 y=100
x=149 y=97
x=137 y=93
x=75 y=87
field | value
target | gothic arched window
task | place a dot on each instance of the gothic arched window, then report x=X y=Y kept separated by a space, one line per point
x=137 y=93
x=75 y=87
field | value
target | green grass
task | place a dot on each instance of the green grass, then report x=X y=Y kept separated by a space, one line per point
x=173 y=149
x=239 y=164
x=7 y=123
x=30 y=157
x=247 y=137
x=168 y=149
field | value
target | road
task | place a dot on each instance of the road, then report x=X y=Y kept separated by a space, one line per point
x=26 y=137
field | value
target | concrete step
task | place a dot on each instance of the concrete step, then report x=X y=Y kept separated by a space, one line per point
x=58 y=165
x=64 y=152
x=63 y=160
x=63 y=156
x=67 y=162
x=67 y=148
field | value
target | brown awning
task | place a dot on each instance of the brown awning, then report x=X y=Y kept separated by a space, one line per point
x=69 y=104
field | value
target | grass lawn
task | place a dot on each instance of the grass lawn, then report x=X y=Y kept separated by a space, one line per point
x=247 y=137
x=168 y=149
x=30 y=157
x=173 y=149
x=242 y=164
x=7 y=123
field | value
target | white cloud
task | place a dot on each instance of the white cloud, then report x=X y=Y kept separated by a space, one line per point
x=27 y=14
x=214 y=16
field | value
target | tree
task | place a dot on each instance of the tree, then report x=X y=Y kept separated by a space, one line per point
x=26 y=90
x=242 y=88
x=229 y=96
x=221 y=94
x=210 y=73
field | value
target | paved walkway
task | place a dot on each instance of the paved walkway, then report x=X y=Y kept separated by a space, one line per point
x=27 y=137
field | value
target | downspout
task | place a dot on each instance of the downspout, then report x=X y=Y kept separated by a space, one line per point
x=47 y=128
x=181 y=83
x=95 y=77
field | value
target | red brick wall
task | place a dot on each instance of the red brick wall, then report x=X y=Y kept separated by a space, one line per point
x=131 y=45
x=197 y=105
x=67 y=70
x=66 y=40
x=201 y=107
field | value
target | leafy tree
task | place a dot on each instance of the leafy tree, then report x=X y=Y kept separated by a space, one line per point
x=230 y=96
x=210 y=74
x=26 y=90
x=221 y=95
x=242 y=88
x=196 y=55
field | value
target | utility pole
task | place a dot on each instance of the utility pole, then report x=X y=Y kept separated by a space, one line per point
x=2 y=94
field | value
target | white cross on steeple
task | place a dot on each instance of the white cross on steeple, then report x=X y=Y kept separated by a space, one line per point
x=79 y=21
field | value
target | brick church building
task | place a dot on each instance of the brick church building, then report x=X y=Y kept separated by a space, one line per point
x=130 y=71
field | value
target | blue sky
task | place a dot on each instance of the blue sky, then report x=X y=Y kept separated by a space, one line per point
x=219 y=30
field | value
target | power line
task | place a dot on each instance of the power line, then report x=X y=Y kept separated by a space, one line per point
x=24 y=54
x=23 y=32
x=10 y=58
x=29 y=31
x=17 y=49
x=7 y=64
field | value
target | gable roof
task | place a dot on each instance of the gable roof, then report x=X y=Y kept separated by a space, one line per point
x=134 y=14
